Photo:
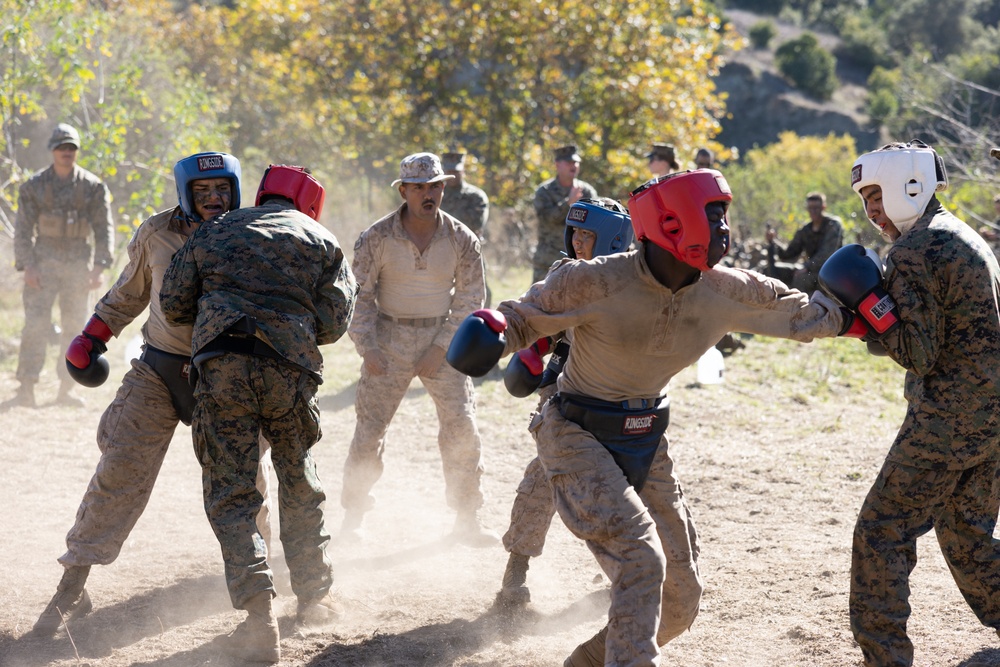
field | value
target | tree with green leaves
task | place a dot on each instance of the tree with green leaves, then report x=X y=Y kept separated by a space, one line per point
x=352 y=87
x=808 y=65
x=102 y=68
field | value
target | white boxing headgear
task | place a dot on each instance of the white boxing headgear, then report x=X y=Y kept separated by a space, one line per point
x=909 y=175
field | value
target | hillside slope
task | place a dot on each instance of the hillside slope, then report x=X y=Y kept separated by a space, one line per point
x=762 y=104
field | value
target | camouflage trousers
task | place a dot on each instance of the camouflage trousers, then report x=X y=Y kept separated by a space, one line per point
x=646 y=543
x=379 y=397
x=904 y=503
x=67 y=281
x=531 y=514
x=133 y=436
x=238 y=397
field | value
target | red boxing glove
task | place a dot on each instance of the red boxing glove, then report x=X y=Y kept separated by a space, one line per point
x=532 y=361
x=854 y=326
x=494 y=319
x=94 y=337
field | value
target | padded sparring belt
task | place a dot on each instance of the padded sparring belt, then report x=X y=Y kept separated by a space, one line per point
x=173 y=369
x=630 y=430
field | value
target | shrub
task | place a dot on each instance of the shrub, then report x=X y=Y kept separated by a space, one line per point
x=808 y=65
x=761 y=34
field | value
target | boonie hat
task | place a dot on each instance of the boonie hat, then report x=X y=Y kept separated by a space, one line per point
x=421 y=168
x=64 y=134
x=567 y=154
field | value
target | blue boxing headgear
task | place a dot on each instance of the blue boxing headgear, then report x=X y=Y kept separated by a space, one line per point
x=205 y=165
x=607 y=219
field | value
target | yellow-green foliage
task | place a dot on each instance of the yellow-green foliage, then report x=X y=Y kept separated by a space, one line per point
x=771 y=184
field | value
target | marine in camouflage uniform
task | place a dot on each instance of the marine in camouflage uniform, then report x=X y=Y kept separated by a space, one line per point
x=137 y=428
x=411 y=301
x=465 y=202
x=63 y=239
x=263 y=287
x=941 y=472
x=462 y=200
x=552 y=201
x=631 y=335
x=817 y=240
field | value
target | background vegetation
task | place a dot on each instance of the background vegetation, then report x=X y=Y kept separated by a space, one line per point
x=349 y=88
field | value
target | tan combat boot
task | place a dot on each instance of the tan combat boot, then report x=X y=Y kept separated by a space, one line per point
x=469 y=530
x=590 y=653
x=317 y=613
x=70 y=602
x=256 y=638
x=514 y=594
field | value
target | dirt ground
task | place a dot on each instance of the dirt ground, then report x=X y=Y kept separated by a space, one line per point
x=775 y=461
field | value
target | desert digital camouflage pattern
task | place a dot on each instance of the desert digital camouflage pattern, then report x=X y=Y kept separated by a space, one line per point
x=137 y=428
x=399 y=282
x=631 y=335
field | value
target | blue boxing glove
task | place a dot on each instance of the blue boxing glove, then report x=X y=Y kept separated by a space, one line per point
x=478 y=343
x=853 y=275
x=524 y=372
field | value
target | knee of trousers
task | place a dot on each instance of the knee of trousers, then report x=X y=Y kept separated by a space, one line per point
x=682 y=591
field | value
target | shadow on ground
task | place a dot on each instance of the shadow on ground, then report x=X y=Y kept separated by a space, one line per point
x=449 y=642
x=99 y=633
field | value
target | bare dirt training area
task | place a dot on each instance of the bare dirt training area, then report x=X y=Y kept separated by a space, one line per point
x=775 y=463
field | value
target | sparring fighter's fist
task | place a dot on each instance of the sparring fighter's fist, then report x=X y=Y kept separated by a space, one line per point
x=524 y=372
x=84 y=356
x=478 y=343
x=853 y=275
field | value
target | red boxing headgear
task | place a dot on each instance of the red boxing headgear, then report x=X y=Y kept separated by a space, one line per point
x=670 y=212
x=293 y=183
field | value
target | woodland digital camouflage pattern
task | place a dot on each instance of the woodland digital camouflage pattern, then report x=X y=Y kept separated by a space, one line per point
x=285 y=411
x=941 y=472
x=300 y=292
x=817 y=247
x=469 y=204
x=285 y=271
x=551 y=207
x=61 y=228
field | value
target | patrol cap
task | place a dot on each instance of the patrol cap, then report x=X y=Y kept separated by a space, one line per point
x=421 y=168
x=664 y=152
x=567 y=154
x=453 y=161
x=64 y=134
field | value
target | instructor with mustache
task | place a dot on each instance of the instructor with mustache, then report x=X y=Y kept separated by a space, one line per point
x=421 y=273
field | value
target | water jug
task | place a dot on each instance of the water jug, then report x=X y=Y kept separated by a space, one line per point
x=711 y=367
